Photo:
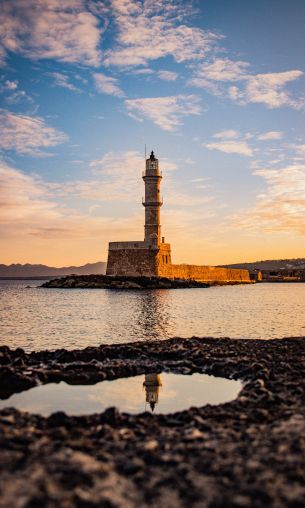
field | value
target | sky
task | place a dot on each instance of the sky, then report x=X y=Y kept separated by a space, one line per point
x=215 y=87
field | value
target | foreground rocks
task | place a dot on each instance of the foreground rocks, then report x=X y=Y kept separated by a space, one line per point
x=121 y=282
x=247 y=453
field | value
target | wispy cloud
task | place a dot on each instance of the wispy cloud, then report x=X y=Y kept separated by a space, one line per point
x=230 y=141
x=32 y=209
x=233 y=141
x=62 y=80
x=143 y=70
x=270 y=135
x=29 y=209
x=9 y=85
x=281 y=206
x=64 y=30
x=217 y=76
x=12 y=93
x=107 y=84
x=228 y=134
x=268 y=89
x=27 y=134
x=166 y=112
x=237 y=147
x=150 y=30
x=22 y=196
x=220 y=70
x=168 y=75
x=115 y=177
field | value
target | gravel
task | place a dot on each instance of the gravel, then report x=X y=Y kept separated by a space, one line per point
x=246 y=453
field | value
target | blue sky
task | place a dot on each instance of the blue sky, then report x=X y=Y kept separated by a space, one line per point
x=216 y=88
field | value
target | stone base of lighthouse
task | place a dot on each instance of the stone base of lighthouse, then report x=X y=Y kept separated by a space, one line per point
x=145 y=259
x=138 y=258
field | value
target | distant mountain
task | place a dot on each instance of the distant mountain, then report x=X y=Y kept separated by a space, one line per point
x=28 y=270
x=271 y=264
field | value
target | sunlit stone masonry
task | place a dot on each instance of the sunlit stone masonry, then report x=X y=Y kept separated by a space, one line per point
x=152 y=256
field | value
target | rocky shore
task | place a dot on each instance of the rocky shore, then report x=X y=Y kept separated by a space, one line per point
x=121 y=282
x=246 y=453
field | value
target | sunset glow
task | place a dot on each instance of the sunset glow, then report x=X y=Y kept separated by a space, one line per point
x=215 y=88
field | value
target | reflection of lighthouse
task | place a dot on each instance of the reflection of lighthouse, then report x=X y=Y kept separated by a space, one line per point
x=152 y=385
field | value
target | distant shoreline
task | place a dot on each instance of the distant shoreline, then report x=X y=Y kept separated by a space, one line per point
x=38 y=277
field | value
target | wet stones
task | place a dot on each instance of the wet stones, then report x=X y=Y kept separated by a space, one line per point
x=121 y=282
x=249 y=452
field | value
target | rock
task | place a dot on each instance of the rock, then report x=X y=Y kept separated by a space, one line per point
x=121 y=282
x=110 y=416
x=249 y=452
x=57 y=419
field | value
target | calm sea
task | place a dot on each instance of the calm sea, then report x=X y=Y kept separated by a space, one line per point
x=35 y=318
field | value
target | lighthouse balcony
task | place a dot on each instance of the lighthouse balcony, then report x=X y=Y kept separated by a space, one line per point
x=152 y=203
x=151 y=174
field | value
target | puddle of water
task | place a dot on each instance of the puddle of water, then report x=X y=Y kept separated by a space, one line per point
x=161 y=393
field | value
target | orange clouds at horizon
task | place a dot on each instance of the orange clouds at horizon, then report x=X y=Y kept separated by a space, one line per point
x=38 y=226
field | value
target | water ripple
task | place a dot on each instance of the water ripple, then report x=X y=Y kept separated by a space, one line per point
x=38 y=318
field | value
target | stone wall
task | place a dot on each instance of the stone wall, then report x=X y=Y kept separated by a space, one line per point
x=204 y=273
x=134 y=261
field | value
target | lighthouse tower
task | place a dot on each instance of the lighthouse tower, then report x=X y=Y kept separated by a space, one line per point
x=150 y=257
x=152 y=202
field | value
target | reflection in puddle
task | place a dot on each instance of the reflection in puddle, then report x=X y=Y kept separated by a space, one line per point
x=152 y=385
x=162 y=393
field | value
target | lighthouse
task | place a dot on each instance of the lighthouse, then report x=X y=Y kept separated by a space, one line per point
x=152 y=179
x=152 y=386
x=151 y=256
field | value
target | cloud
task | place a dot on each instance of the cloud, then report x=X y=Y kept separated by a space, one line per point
x=145 y=70
x=208 y=74
x=167 y=75
x=35 y=221
x=281 y=206
x=150 y=30
x=268 y=89
x=116 y=177
x=22 y=197
x=35 y=226
x=26 y=134
x=232 y=141
x=108 y=85
x=228 y=134
x=10 y=85
x=62 y=80
x=238 y=147
x=64 y=30
x=229 y=143
x=270 y=135
x=300 y=149
x=11 y=93
x=166 y=112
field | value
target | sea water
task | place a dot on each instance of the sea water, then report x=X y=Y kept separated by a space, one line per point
x=38 y=318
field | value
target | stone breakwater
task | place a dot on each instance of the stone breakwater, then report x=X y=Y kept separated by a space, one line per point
x=122 y=282
x=246 y=453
